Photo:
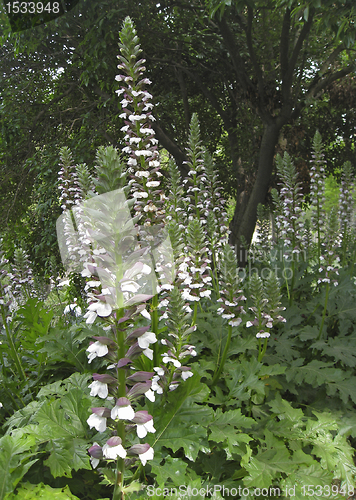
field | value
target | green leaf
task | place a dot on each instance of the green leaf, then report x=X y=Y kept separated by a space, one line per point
x=284 y=410
x=15 y=453
x=227 y=427
x=260 y=474
x=171 y=428
x=60 y=459
x=346 y=388
x=172 y=468
x=192 y=439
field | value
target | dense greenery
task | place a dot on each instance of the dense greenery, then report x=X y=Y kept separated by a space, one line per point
x=244 y=67
x=249 y=384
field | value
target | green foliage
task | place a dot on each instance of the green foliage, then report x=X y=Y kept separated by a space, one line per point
x=277 y=414
x=110 y=170
x=29 y=491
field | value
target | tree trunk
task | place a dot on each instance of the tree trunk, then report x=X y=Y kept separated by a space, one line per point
x=244 y=220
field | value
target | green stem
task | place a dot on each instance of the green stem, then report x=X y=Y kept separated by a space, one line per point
x=154 y=328
x=292 y=284
x=263 y=351
x=121 y=378
x=285 y=278
x=195 y=313
x=13 y=350
x=324 y=312
x=223 y=358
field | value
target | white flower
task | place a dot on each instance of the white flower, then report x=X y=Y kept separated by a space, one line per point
x=186 y=375
x=248 y=324
x=148 y=455
x=122 y=412
x=135 y=118
x=99 y=423
x=97 y=349
x=102 y=309
x=140 y=194
x=235 y=322
x=207 y=293
x=148 y=353
x=146 y=314
x=142 y=429
x=130 y=286
x=167 y=359
x=64 y=283
x=146 y=339
x=155 y=386
x=99 y=389
x=263 y=335
x=159 y=371
x=142 y=173
x=150 y=395
x=153 y=183
x=228 y=316
x=73 y=307
x=154 y=163
x=114 y=451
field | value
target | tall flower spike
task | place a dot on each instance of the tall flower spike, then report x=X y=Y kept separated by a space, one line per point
x=70 y=193
x=85 y=181
x=277 y=216
x=175 y=200
x=317 y=187
x=171 y=372
x=196 y=181
x=110 y=170
x=70 y=197
x=196 y=276
x=263 y=244
x=5 y=288
x=346 y=207
x=215 y=204
x=332 y=245
x=231 y=294
x=22 y=283
x=141 y=144
x=291 y=199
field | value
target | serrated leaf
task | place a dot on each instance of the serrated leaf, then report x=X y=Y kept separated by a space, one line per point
x=283 y=409
x=260 y=475
x=78 y=449
x=59 y=460
x=308 y=332
x=53 y=418
x=14 y=461
x=192 y=439
x=171 y=428
x=173 y=468
x=316 y=373
x=338 y=348
x=346 y=389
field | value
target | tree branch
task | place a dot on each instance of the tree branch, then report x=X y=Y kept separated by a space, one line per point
x=172 y=148
x=237 y=61
x=284 y=44
x=287 y=81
